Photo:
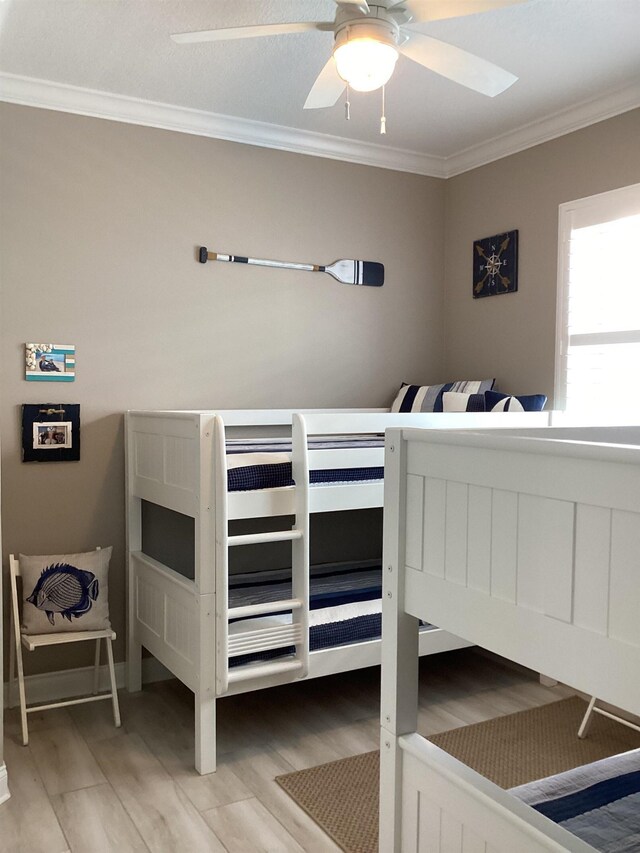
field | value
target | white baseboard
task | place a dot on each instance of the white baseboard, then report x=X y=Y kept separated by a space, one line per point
x=51 y=686
x=4 y=784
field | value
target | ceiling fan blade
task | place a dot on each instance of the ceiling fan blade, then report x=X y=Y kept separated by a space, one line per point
x=360 y=4
x=456 y=64
x=227 y=33
x=327 y=89
x=438 y=10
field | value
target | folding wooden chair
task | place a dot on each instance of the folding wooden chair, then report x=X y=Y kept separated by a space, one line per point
x=35 y=641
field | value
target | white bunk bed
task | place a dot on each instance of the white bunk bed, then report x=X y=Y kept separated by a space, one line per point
x=529 y=547
x=177 y=461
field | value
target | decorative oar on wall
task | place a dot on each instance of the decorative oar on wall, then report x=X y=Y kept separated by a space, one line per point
x=368 y=273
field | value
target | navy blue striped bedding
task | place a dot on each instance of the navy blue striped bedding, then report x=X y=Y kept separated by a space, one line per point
x=599 y=803
x=277 y=474
x=328 y=636
x=329 y=585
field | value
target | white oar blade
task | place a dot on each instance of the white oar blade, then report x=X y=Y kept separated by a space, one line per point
x=229 y=33
x=439 y=10
x=457 y=65
x=367 y=273
x=327 y=89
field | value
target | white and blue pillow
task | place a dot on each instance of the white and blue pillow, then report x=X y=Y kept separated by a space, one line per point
x=495 y=402
x=428 y=398
x=456 y=401
x=65 y=592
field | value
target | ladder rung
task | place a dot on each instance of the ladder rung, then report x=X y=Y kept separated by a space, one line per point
x=244 y=673
x=264 y=607
x=269 y=536
x=253 y=642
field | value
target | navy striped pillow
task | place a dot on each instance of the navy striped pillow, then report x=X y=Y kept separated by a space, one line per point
x=455 y=401
x=428 y=398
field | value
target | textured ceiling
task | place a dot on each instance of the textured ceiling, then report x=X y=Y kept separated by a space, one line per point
x=565 y=52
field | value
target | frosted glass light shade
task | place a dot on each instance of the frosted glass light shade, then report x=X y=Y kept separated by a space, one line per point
x=365 y=63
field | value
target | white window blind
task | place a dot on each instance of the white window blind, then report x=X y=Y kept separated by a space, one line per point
x=598 y=346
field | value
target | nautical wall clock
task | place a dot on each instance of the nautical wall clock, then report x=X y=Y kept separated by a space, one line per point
x=495 y=265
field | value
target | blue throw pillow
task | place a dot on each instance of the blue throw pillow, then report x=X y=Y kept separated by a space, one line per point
x=428 y=398
x=496 y=402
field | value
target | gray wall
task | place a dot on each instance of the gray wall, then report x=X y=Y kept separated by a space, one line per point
x=513 y=337
x=98 y=229
x=99 y=226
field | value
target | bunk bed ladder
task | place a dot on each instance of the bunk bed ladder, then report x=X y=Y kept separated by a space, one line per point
x=294 y=634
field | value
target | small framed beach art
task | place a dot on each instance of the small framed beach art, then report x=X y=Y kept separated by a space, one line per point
x=50 y=362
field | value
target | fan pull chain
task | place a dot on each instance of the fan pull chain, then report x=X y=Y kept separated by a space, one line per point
x=383 y=118
x=347 y=106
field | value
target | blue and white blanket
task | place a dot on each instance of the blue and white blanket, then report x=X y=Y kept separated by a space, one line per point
x=600 y=802
x=344 y=601
x=266 y=463
x=331 y=584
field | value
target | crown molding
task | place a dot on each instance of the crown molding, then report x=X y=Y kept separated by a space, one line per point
x=551 y=127
x=45 y=94
x=32 y=92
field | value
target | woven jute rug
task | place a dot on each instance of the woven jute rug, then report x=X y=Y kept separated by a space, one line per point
x=342 y=796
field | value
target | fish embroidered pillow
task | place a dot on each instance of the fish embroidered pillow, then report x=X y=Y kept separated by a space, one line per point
x=65 y=592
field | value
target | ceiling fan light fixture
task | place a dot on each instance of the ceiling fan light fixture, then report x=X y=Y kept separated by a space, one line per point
x=365 y=63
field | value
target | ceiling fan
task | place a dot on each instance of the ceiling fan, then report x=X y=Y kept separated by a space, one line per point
x=369 y=36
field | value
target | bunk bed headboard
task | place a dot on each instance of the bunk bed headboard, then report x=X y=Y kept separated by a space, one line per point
x=529 y=547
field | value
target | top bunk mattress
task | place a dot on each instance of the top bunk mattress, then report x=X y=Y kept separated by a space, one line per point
x=266 y=463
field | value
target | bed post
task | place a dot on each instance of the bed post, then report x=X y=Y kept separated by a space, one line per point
x=205 y=694
x=399 y=689
x=205 y=746
x=133 y=543
x=212 y=469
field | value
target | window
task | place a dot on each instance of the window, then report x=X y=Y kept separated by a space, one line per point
x=598 y=318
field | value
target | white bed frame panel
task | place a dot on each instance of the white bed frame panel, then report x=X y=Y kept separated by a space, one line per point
x=529 y=547
x=177 y=460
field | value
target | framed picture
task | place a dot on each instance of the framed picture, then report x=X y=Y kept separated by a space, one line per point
x=495 y=265
x=50 y=362
x=51 y=432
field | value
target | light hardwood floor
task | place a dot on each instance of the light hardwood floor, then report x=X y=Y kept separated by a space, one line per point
x=84 y=786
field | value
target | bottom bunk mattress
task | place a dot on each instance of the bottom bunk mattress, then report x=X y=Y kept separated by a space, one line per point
x=344 y=601
x=599 y=802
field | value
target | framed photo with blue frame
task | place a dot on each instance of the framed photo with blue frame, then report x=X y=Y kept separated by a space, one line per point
x=51 y=432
